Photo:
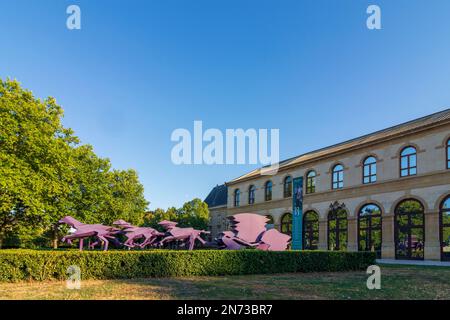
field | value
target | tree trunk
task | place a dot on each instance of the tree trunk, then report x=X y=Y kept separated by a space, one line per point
x=55 y=237
x=1 y=240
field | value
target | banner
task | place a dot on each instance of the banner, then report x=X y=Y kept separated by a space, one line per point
x=297 y=214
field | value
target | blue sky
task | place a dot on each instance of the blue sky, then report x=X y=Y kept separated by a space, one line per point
x=137 y=70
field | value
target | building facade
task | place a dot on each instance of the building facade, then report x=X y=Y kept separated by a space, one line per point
x=388 y=192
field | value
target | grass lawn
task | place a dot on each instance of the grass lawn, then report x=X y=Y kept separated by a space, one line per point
x=397 y=282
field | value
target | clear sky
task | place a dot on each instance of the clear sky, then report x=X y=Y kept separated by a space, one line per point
x=137 y=70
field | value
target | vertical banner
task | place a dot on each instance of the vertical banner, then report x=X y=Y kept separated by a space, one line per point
x=297 y=214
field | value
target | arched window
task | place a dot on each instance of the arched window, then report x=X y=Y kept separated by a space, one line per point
x=338 y=177
x=287 y=187
x=337 y=230
x=268 y=191
x=408 y=162
x=286 y=223
x=310 y=230
x=448 y=154
x=370 y=170
x=409 y=230
x=369 y=229
x=270 y=224
x=237 y=197
x=311 y=182
x=251 y=194
x=445 y=229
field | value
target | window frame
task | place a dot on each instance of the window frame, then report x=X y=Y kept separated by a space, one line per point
x=237 y=198
x=447 y=146
x=310 y=187
x=339 y=183
x=308 y=229
x=251 y=194
x=288 y=224
x=369 y=228
x=372 y=177
x=442 y=225
x=267 y=196
x=337 y=230
x=287 y=190
x=410 y=225
x=408 y=157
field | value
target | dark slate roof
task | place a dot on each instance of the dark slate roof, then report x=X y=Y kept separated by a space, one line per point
x=438 y=118
x=217 y=196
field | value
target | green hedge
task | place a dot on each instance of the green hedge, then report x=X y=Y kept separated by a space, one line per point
x=17 y=265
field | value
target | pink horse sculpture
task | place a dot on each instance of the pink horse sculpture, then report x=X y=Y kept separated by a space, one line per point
x=133 y=234
x=187 y=235
x=104 y=234
x=249 y=230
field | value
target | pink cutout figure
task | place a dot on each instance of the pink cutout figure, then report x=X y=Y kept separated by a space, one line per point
x=186 y=235
x=249 y=230
x=104 y=234
x=133 y=234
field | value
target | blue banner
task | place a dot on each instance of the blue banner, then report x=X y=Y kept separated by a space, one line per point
x=297 y=214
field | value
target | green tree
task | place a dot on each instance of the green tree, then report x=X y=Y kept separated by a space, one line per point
x=46 y=174
x=35 y=176
x=194 y=213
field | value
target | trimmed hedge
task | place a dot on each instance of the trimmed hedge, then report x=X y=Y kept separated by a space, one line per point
x=18 y=265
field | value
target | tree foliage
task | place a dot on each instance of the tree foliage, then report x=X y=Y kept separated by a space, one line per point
x=45 y=173
x=194 y=213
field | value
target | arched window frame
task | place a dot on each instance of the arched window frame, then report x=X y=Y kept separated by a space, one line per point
x=310 y=230
x=251 y=194
x=402 y=216
x=287 y=187
x=369 y=226
x=237 y=197
x=369 y=170
x=268 y=191
x=310 y=182
x=408 y=162
x=337 y=216
x=286 y=223
x=448 y=153
x=444 y=225
x=337 y=177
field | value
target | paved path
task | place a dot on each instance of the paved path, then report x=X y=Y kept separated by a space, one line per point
x=415 y=262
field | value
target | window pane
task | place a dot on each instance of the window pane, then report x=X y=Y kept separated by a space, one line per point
x=366 y=170
x=408 y=151
x=404 y=162
x=412 y=161
x=343 y=241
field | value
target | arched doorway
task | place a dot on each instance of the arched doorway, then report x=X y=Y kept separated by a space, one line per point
x=286 y=224
x=444 y=222
x=337 y=229
x=310 y=230
x=369 y=229
x=409 y=230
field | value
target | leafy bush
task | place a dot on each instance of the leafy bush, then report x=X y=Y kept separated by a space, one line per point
x=17 y=265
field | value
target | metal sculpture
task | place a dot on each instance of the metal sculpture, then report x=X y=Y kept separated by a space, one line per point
x=135 y=234
x=187 y=236
x=249 y=230
x=103 y=234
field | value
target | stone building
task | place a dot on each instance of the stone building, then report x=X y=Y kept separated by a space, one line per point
x=217 y=204
x=388 y=192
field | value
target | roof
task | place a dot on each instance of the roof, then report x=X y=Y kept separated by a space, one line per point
x=434 y=119
x=217 y=196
